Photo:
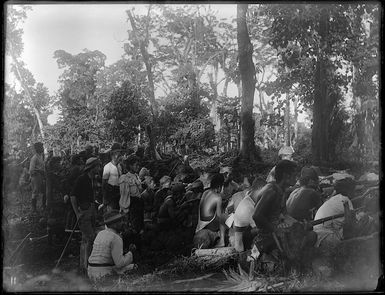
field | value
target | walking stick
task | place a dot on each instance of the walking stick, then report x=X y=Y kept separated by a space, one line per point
x=65 y=247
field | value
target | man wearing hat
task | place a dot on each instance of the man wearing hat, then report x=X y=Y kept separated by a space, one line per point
x=83 y=203
x=162 y=193
x=107 y=252
x=110 y=179
x=171 y=215
x=37 y=172
x=305 y=199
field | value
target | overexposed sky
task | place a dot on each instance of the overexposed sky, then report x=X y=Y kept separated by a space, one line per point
x=74 y=27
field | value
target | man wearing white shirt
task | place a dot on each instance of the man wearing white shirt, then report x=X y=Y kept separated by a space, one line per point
x=332 y=232
x=110 y=181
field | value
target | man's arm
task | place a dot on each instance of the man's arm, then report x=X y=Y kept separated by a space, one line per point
x=32 y=166
x=119 y=259
x=74 y=204
x=262 y=206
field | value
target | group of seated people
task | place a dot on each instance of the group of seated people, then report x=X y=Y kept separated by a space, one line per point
x=220 y=211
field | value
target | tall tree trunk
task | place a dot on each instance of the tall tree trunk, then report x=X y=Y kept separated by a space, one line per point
x=320 y=132
x=247 y=71
x=295 y=119
x=143 y=43
x=287 y=121
x=213 y=79
x=32 y=103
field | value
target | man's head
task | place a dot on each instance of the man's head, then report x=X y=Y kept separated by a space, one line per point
x=309 y=177
x=345 y=187
x=92 y=166
x=165 y=181
x=150 y=183
x=286 y=153
x=285 y=173
x=177 y=189
x=39 y=148
x=217 y=182
x=116 y=150
x=113 y=219
x=133 y=163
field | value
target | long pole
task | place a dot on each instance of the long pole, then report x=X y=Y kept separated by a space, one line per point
x=68 y=241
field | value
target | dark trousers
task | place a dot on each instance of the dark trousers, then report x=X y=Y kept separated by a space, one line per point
x=112 y=196
x=137 y=214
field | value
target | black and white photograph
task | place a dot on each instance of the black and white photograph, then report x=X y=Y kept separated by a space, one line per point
x=192 y=147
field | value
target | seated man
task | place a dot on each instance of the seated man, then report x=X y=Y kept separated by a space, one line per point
x=162 y=193
x=243 y=217
x=170 y=215
x=332 y=232
x=285 y=153
x=107 y=255
x=148 y=198
x=230 y=187
x=305 y=199
x=270 y=205
x=211 y=216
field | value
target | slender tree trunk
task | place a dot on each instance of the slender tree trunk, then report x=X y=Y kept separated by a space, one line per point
x=295 y=119
x=247 y=71
x=287 y=121
x=320 y=132
x=143 y=43
x=25 y=87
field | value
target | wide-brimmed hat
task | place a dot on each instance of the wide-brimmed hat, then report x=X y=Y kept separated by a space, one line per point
x=112 y=217
x=91 y=163
x=116 y=147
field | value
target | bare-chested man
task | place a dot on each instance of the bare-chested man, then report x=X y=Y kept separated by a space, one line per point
x=211 y=216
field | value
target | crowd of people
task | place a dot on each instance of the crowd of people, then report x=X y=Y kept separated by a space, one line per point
x=218 y=211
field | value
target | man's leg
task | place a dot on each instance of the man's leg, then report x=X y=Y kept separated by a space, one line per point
x=35 y=192
x=87 y=229
x=238 y=237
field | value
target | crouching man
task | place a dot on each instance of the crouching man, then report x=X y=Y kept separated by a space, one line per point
x=279 y=232
x=107 y=255
x=211 y=219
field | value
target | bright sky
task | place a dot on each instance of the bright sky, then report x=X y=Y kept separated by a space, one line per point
x=74 y=27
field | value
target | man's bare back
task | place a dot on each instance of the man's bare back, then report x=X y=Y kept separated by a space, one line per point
x=209 y=205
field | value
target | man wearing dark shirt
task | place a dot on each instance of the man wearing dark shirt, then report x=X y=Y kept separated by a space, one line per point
x=82 y=200
x=270 y=204
x=305 y=199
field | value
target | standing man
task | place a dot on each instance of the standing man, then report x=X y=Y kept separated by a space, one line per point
x=110 y=179
x=130 y=194
x=271 y=205
x=37 y=172
x=83 y=203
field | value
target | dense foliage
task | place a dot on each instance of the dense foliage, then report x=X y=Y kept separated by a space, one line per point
x=173 y=81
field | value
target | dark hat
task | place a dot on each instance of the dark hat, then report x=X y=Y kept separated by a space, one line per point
x=91 y=163
x=112 y=217
x=116 y=147
x=131 y=159
x=177 y=187
x=196 y=184
x=309 y=172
